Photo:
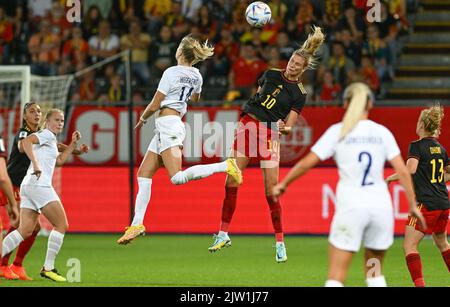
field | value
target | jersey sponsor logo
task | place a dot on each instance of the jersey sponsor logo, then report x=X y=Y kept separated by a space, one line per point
x=435 y=150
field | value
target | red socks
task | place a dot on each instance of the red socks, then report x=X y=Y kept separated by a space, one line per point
x=275 y=214
x=229 y=205
x=5 y=260
x=446 y=256
x=415 y=269
x=24 y=248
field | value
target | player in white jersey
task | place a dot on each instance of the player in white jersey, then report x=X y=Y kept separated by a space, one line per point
x=37 y=193
x=179 y=84
x=364 y=211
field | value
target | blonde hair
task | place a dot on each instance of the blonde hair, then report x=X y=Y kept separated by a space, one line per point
x=193 y=51
x=310 y=47
x=432 y=119
x=49 y=114
x=358 y=94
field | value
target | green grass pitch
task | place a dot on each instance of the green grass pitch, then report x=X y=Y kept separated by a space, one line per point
x=183 y=260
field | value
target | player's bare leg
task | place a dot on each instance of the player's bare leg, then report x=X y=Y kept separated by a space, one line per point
x=410 y=244
x=229 y=204
x=150 y=164
x=56 y=215
x=373 y=268
x=444 y=247
x=338 y=263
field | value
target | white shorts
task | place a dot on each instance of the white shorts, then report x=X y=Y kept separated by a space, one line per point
x=36 y=197
x=169 y=132
x=374 y=226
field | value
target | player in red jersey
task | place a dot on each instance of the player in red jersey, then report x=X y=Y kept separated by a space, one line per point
x=6 y=186
x=429 y=164
x=273 y=110
x=18 y=164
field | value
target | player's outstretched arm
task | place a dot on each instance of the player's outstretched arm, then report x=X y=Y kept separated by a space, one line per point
x=404 y=175
x=286 y=127
x=411 y=165
x=83 y=149
x=62 y=158
x=153 y=106
x=297 y=171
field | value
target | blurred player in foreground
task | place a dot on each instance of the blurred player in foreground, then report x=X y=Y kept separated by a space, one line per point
x=364 y=210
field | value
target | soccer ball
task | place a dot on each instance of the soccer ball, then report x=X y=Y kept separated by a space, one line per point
x=258 y=14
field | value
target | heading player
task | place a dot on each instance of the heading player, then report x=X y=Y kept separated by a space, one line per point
x=273 y=110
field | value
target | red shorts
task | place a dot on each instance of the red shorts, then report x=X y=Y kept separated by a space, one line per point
x=254 y=139
x=4 y=199
x=436 y=220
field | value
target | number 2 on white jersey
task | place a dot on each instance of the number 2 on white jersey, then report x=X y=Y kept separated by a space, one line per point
x=367 y=170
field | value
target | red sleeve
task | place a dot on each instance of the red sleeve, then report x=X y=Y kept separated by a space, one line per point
x=67 y=48
x=8 y=35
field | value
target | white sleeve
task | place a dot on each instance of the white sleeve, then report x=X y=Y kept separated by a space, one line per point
x=391 y=146
x=44 y=137
x=198 y=90
x=165 y=82
x=325 y=146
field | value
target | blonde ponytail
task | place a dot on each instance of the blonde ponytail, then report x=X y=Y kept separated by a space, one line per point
x=432 y=119
x=193 y=51
x=358 y=94
x=311 y=46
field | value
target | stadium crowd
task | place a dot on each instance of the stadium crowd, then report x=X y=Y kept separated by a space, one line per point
x=37 y=32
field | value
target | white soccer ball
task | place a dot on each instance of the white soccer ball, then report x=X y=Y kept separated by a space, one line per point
x=258 y=14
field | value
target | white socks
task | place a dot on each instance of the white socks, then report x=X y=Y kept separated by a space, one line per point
x=11 y=242
x=333 y=283
x=198 y=172
x=142 y=200
x=55 y=241
x=379 y=281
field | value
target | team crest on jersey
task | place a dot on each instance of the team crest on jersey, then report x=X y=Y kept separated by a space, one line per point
x=23 y=134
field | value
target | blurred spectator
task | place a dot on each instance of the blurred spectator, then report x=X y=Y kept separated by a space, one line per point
x=279 y=10
x=163 y=50
x=6 y=35
x=85 y=90
x=57 y=18
x=154 y=12
x=246 y=71
x=353 y=21
x=138 y=42
x=190 y=8
x=305 y=15
x=44 y=49
x=273 y=58
x=339 y=64
x=91 y=22
x=352 y=50
x=285 y=47
x=138 y=98
x=176 y=21
x=329 y=90
x=38 y=9
x=227 y=47
x=374 y=46
x=76 y=49
x=205 y=23
x=256 y=37
x=104 y=7
x=221 y=10
x=369 y=74
x=332 y=13
x=397 y=8
x=114 y=92
x=104 y=44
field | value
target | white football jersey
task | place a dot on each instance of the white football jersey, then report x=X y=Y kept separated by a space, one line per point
x=178 y=83
x=46 y=153
x=360 y=158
